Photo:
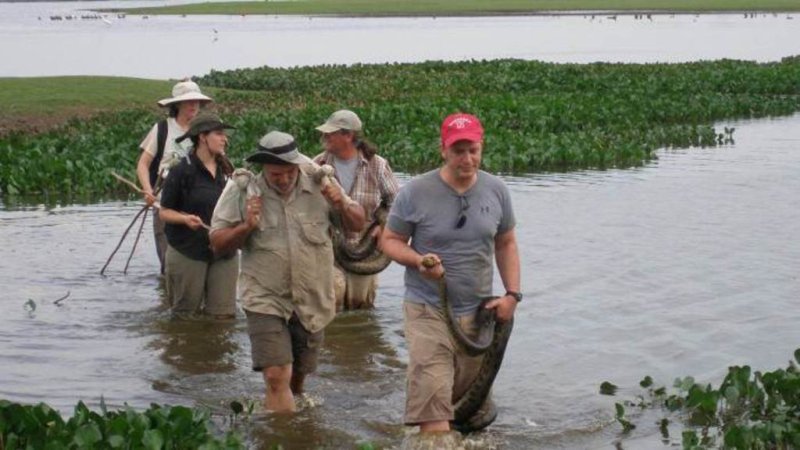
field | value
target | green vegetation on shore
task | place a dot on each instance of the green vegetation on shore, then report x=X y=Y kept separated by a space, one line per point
x=465 y=7
x=538 y=116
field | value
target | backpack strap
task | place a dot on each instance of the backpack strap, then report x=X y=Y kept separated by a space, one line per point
x=161 y=143
x=189 y=177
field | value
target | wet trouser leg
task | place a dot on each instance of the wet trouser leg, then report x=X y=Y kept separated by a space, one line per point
x=161 y=239
x=354 y=291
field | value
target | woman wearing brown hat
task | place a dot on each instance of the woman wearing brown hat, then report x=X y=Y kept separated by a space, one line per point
x=197 y=281
x=160 y=149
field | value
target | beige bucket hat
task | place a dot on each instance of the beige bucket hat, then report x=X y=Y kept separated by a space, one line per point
x=183 y=91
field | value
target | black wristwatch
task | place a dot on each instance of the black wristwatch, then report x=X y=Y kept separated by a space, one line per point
x=517 y=295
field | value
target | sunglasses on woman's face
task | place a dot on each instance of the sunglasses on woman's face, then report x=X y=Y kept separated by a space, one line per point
x=462 y=218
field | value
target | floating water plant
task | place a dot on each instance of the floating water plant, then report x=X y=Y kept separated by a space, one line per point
x=158 y=427
x=748 y=410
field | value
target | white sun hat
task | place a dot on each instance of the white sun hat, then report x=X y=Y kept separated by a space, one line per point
x=183 y=91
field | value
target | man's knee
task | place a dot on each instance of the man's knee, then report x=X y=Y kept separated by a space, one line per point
x=278 y=377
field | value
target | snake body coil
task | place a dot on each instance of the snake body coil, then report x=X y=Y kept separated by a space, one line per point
x=492 y=342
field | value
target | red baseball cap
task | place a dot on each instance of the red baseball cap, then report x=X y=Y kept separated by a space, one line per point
x=461 y=127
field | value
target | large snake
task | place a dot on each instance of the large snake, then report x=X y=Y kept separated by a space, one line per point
x=493 y=338
x=363 y=257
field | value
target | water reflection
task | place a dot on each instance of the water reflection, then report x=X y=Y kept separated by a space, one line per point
x=361 y=377
x=303 y=430
x=196 y=346
x=355 y=349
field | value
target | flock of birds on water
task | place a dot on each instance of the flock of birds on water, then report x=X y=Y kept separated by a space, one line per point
x=639 y=16
x=592 y=17
x=636 y=16
x=85 y=17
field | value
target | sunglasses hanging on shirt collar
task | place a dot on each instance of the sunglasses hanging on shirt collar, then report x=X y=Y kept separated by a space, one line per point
x=462 y=217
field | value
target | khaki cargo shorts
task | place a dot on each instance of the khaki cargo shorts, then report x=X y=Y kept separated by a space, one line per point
x=274 y=342
x=438 y=370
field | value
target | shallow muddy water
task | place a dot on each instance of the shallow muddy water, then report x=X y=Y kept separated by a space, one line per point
x=31 y=44
x=681 y=267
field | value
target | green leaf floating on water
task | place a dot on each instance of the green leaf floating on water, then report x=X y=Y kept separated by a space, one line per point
x=607 y=388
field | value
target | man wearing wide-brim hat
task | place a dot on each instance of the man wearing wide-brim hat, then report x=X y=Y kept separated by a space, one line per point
x=280 y=218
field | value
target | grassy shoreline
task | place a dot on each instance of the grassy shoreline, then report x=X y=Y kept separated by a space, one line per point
x=383 y=8
x=38 y=104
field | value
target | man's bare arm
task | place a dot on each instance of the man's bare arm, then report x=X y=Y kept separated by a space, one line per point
x=395 y=246
x=507 y=258
x=228 y=240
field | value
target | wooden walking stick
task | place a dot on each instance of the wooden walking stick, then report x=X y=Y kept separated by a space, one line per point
x=135 y=242
x=126 y=181
x=122 y=239
x=119 y=244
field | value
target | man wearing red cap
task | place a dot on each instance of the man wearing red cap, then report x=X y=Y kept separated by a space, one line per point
x=461 y=217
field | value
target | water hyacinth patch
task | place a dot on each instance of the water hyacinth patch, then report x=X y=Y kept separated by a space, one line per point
x=159 y=427
x=749 y=410
x=538 y=116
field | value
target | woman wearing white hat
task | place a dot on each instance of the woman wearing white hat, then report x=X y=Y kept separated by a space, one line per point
x=160 y=150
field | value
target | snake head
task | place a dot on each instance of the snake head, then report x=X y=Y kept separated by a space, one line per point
x=381 y=214
x=429 y=261
x=242 y=178
x=246 y=180
x=319 y=173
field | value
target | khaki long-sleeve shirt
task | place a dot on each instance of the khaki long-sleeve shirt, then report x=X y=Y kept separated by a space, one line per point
x=287 y=262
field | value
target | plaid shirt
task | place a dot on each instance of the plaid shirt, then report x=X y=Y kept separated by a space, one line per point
x=374 y=182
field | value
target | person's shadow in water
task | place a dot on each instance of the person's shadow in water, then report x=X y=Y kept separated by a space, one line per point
x=198 y=346
x=355 y=348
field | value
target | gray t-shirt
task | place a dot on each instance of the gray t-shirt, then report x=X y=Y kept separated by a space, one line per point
x=428 y=210
x=346 y=171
